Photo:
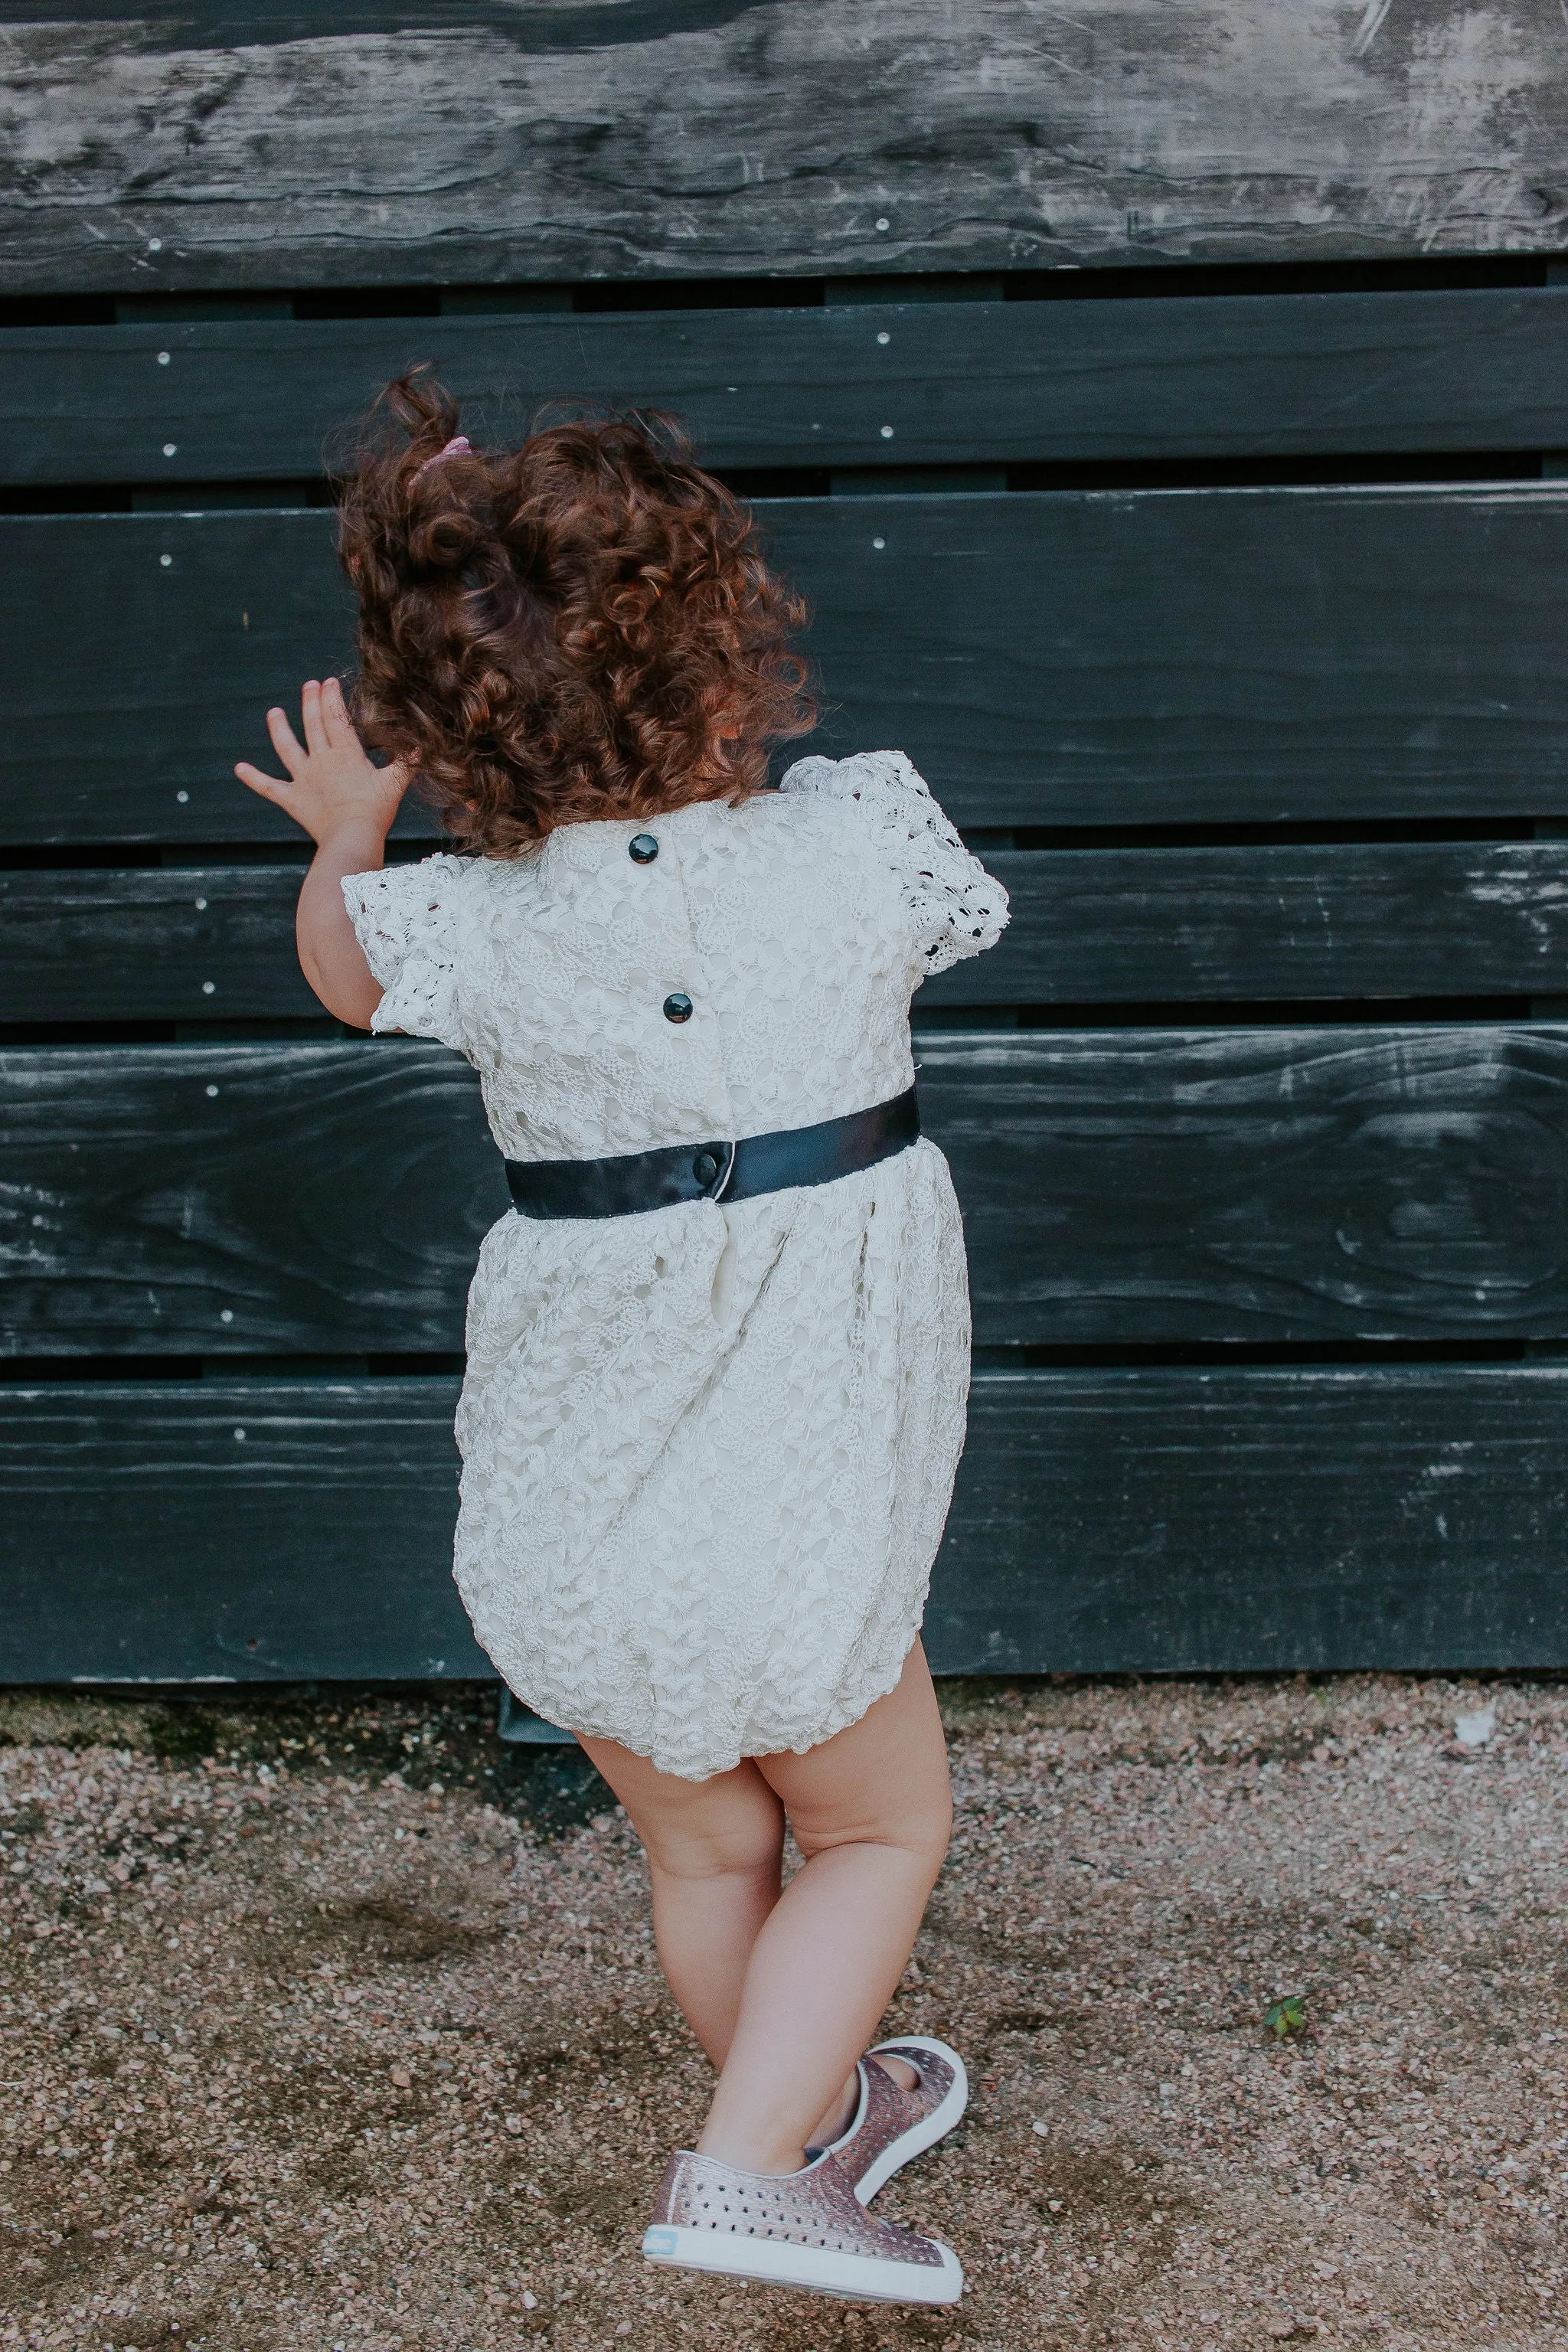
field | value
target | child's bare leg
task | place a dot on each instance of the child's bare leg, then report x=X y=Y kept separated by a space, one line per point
x=871 y=1812
x=714 y=1849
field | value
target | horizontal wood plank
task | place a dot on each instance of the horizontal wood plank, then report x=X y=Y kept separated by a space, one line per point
x=151 y=943
x=206 y=146
x=240 y=1199
x=1104 y=1522
x=1259 y=1520
x=1065 y=658
x=231 y=1531
x=1307 y=922
x=1257 y=1185
x=996 y=382
x=1303 y=920
x=1147 y=1185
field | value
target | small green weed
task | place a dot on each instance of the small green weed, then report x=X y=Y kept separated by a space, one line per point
x=1288 y=2016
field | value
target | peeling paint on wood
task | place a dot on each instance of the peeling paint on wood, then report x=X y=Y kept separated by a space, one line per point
x=800 y=136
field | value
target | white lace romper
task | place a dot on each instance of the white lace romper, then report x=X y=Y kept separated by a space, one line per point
x=708 y=1450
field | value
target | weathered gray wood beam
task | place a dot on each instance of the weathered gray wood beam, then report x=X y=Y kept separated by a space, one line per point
x=212 y=147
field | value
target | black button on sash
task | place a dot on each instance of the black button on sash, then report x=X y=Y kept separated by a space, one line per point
x=705 y=1168
x=643 y=847
x=678 y=1007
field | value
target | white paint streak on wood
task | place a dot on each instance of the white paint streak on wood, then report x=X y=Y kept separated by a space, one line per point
x=1370 y=27
x=995 y=135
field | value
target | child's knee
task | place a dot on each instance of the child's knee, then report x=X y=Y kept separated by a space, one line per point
x=931 y=1832
x=921 y=1829
x=743 y=1841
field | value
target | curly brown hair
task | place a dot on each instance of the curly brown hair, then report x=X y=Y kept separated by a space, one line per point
x=580 y=628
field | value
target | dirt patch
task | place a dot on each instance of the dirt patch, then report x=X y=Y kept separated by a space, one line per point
x=326 y=2021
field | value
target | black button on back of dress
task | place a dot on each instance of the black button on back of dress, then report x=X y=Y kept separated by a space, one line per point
x=678 y=1007
x=705 y=1168
x=643 y=847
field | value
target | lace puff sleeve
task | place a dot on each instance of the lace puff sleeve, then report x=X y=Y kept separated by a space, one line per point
x=405 y=920
x=956 y=907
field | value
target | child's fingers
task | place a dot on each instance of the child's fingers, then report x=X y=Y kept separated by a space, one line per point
x=271 y=788
x=285 y=743
x=311 y=703
x=340 y=727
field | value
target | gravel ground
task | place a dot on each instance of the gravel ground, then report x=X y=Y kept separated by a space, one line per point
x=327 y=2022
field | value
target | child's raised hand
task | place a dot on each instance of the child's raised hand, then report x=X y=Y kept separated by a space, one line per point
x=331 y=788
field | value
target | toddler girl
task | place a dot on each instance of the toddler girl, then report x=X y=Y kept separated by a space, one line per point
x=719 y=1355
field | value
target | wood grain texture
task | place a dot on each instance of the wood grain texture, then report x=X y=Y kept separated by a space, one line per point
x=231 y=1531
x=151 y=943
x=1307 y=920
x=206 y=147
x=1064 y=657
x=998 y=382
x=240 y=1199
x=1257 y=1185
x=1115 y=656
x=1257 y=1521
x=1117 y=1186
x=1104 y=1522
x=1311 y=921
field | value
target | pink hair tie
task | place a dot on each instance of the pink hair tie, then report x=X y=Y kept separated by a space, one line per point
x=456 y=447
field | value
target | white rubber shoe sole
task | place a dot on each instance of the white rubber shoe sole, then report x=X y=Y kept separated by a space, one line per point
x=920 y=2136
x=772 y=2261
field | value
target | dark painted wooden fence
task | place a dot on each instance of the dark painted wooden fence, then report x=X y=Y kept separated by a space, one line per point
x=1164 y=412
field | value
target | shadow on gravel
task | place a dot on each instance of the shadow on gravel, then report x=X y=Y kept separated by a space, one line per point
x=438 y=1736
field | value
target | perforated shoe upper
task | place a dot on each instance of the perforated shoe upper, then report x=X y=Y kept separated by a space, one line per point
x=817 y=2207
x=887 y=2111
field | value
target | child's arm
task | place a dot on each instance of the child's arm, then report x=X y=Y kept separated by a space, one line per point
x=346 y=806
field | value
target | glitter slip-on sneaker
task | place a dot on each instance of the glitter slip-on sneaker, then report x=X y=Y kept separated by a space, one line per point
x=892 y=2125
x=800 y=2229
